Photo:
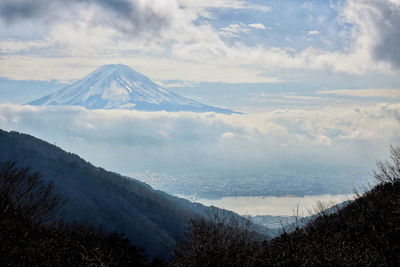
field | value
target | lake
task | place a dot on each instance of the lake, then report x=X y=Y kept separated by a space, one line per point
x=271 y=205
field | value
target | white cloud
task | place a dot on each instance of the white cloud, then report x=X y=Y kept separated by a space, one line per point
x=258 y=26
x=313 y=32
x=376 y=28
x=174 y=84
x=301 y=97
x=227 y=4
x=233 y=30
x=228 y=135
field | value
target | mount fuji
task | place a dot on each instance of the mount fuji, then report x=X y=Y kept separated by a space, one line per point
x=120 y=87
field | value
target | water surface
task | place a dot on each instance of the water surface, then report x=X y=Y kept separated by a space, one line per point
x=271 y=205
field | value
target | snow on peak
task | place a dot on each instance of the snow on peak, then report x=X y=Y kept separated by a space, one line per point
x=117 y=86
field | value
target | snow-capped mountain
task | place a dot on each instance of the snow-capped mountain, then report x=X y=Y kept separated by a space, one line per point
x=120 y=87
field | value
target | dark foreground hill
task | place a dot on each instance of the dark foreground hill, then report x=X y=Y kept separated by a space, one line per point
x=150 y=219
x=33 y=234
x=365 y=232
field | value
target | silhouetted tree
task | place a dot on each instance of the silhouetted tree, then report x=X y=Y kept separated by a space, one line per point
x=218 y=240
x=389 y=172
x=25 y=192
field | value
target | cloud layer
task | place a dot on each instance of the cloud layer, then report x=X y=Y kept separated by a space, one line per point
x=130 y=141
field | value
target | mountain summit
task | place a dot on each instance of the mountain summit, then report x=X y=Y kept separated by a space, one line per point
x=120 y=87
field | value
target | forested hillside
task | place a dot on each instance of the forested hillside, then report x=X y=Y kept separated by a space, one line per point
x=150 y=219
x=32 y=232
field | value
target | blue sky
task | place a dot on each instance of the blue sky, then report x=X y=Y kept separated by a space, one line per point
x=318 y=81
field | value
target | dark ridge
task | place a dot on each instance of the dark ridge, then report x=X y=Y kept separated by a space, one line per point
x=150 y=219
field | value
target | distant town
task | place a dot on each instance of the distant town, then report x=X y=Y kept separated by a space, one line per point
x=217 y=185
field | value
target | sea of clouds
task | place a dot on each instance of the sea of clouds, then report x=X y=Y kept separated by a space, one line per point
x=331 y=138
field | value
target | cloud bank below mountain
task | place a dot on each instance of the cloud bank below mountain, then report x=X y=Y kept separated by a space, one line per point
x=338 y=138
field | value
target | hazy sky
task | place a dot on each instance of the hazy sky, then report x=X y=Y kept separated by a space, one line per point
x=318 y=80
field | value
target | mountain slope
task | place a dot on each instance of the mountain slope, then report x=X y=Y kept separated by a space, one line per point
x=120 y=87
x=150 y=219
